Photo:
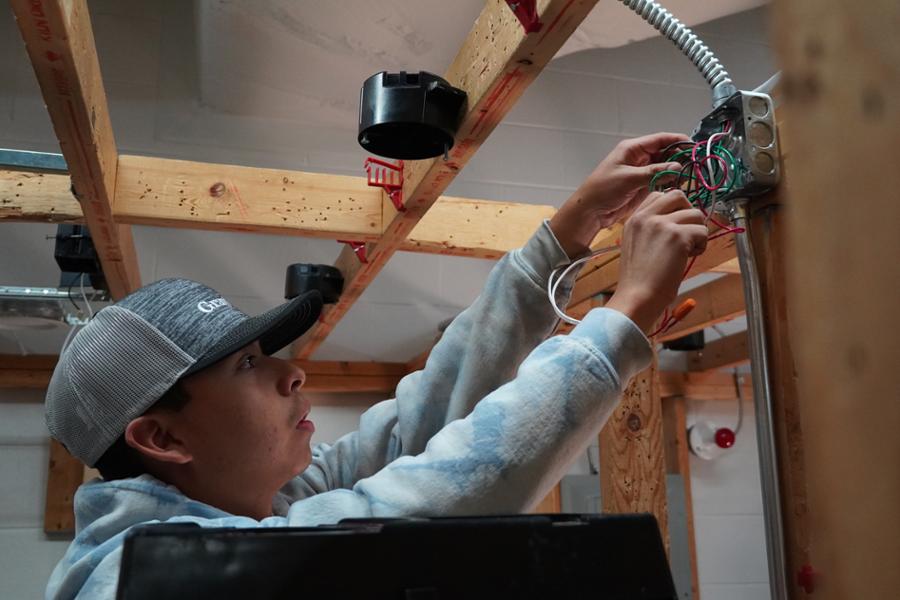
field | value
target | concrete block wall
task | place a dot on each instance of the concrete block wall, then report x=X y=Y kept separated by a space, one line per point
x=576 y=111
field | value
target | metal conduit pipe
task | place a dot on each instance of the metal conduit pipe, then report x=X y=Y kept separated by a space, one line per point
x=762 y=400
x=688 y=42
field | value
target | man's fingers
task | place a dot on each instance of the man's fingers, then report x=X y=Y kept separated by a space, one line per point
x=639 y=151
x=688 y=216
x=695 y=237
x=663 y=203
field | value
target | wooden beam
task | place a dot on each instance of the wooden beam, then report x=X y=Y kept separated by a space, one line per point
x=593 y=282
x=476 y=228
x=632 y=464
x=453 y=226
x=497 y=61
x=179 y=193
x=551 y=504
x=60 y=44
x=341 y=376
x=64 y=474
x=729 y=266
x=26 y=372
x=678 y=462
x=718 y=301
x=725 y=352
x=37 y=197
x=711 y=385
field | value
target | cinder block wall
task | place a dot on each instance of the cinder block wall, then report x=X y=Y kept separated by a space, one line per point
x=577 y=110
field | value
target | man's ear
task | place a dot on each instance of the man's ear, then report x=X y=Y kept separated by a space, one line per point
x=150 y=435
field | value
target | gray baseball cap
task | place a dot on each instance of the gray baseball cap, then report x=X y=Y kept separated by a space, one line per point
x=133 y=351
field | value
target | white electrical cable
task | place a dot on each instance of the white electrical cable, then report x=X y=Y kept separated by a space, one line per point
x=553 y=281
x=84 y=297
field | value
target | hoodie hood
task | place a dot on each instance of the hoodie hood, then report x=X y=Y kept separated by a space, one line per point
x=104 y=511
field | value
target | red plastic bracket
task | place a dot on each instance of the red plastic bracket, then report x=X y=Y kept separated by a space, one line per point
x=526 y=12
x=359 y=248
x=389 y=177
x=806 y=578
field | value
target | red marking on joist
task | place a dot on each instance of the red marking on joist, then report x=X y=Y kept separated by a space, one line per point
x=555 y=21
x=241 y=206
x=494 y=96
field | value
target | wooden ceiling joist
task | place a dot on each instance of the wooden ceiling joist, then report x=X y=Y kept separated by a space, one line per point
x=329 y=377
x=453 y=226
x=725 y=352
x=495 y=64
x=718 y=301
x=703 y=386
x=604 y=279
x=26 y=372
x=60 y=44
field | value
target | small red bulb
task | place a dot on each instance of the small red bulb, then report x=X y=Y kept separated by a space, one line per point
x=724 y=437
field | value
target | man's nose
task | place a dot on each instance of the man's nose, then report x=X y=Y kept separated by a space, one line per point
x=292 y=379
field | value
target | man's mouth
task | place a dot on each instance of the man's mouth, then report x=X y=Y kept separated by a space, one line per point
x=305 y=424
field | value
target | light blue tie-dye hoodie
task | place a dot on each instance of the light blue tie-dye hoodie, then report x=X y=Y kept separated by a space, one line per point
x=487 y=427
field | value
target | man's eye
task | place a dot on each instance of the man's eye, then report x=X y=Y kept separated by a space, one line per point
x=248 y=362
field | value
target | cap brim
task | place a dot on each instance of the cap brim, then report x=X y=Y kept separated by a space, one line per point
x=274 y=329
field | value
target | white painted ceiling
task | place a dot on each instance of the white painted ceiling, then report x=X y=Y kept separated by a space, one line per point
x=306 y=59
x=275 y=83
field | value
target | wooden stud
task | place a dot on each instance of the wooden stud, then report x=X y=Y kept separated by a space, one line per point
x=497 y=61
x=725 y=352
x=632 y=464
x=65 y=473
x=60 y=44
x=678 y=461
x=842 y=103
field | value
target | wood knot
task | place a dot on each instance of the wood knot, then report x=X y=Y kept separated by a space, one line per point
x=217 y=189
x=633 y=422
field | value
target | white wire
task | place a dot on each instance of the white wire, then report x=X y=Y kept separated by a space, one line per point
x=553 y=281
x=84 y=297
x=69 y=337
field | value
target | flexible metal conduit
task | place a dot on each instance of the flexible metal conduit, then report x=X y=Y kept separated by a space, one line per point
x=762 y=396
x=686 y=41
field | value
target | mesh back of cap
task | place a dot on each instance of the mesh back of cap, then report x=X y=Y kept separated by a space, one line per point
x=112 y=372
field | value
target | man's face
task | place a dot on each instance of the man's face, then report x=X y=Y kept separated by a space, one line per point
x=246 y=423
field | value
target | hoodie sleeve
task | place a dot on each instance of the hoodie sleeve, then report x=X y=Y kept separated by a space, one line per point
x=516 y=443
x=479 y=351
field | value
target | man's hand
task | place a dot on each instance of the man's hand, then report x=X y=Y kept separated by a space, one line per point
x=658 y=240
x=609 y=194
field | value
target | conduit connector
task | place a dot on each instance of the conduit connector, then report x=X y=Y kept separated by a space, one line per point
x=389 y=177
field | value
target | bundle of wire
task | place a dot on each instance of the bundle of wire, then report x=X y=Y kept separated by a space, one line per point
x=708 y=170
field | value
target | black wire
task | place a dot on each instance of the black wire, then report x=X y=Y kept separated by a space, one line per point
x=69 y=292
x=676 y=144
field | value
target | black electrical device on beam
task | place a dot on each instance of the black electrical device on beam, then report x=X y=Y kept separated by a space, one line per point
x=304 y=277
x=76 y=256
x=688 y=343
x=409 y=116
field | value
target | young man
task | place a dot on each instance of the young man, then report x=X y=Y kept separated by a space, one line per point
x=172 y=393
